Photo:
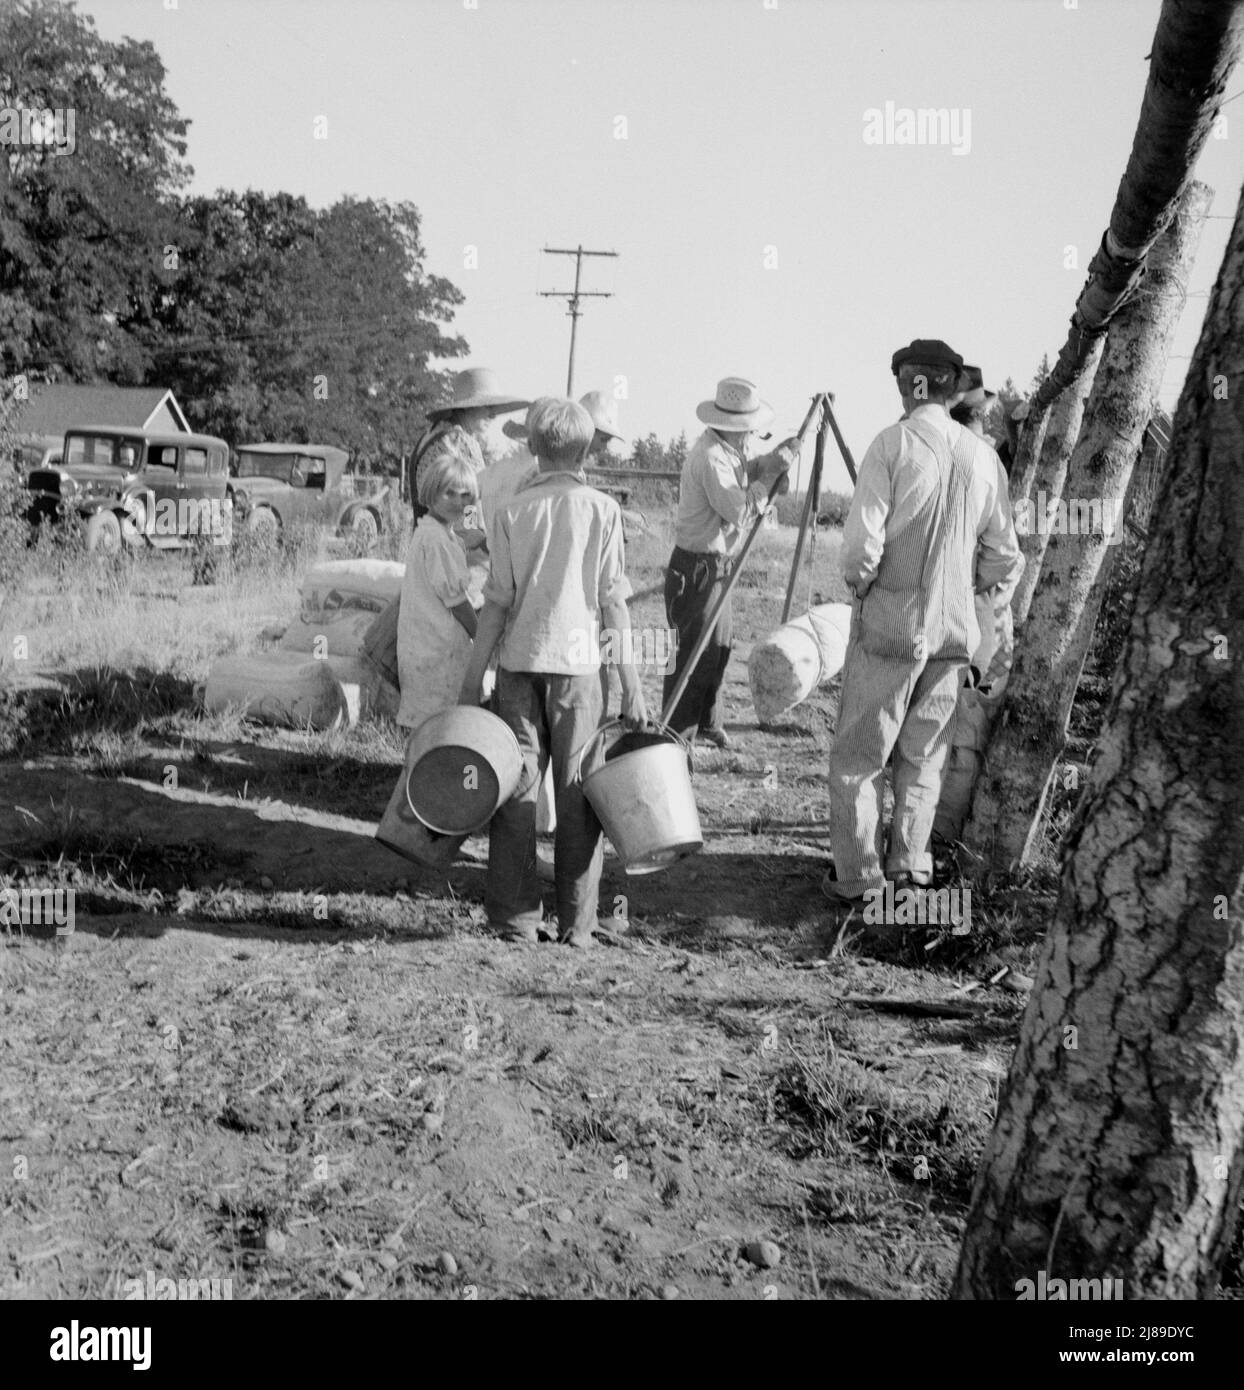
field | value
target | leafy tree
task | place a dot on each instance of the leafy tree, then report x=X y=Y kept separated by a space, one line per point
x=81 y=230
x=278 y=322
x=650 y=453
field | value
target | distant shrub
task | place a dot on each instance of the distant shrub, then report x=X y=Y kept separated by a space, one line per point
x=834 y=508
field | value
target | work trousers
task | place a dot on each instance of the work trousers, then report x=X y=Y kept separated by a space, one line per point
x=552 y=718
x=890 y=708
x=693 y=584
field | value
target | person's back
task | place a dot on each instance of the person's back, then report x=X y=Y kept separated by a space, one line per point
x=557 y=560
x=929 y=525
x=942 y=496
x=562 y=543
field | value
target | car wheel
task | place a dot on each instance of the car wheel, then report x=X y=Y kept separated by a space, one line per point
x=263 y=525
x=103 y=533
x=134 y=534
x=364 y=529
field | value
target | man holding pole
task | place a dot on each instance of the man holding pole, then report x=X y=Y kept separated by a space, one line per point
x=721 y=492
x=930 y=525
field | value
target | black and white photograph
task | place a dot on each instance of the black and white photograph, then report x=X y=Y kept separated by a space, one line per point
x=622 y=665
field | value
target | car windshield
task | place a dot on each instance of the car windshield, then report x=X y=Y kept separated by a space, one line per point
x=123 y=451
x=279 y=466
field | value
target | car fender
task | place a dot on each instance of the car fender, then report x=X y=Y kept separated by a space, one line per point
x=88 y=506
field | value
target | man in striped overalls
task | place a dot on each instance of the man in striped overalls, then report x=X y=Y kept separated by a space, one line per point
x=930 y=525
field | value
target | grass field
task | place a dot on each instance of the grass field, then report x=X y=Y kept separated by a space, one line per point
x=274 y=1053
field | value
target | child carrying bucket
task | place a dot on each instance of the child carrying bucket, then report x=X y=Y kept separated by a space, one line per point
x=436 y=622
x=557 y=560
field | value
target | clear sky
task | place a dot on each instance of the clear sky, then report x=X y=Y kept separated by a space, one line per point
x=744 y=124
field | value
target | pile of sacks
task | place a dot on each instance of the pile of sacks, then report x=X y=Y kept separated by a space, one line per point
x=320 y=676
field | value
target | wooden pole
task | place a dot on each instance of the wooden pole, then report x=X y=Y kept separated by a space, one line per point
x=735 y=569
x=809 y=513
x=842 y=443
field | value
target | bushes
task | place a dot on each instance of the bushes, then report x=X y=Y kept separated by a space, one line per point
x=833 y=509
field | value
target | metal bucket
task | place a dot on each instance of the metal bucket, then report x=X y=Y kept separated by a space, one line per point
x=402 y=831
x=641 y=793
x=463 y=764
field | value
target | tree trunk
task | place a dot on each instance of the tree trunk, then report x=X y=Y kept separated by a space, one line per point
x=1061 y=432
x=1028 y=454
x=1195 y=48
x=1118 y=1150
x=1032 y=726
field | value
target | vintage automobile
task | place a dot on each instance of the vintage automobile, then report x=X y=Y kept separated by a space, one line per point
x=280 y=486
x=137 y=488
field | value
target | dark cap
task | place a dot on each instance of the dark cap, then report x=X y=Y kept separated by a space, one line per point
x=928 y=352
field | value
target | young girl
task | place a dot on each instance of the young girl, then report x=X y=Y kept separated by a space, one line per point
x=436 y=622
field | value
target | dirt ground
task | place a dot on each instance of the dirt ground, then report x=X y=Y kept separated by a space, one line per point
x=274 y=1053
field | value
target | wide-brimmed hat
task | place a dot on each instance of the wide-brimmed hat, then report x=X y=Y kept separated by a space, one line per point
x=928 y=352
x=737 y=406
x=971 y=387
x=477 y=389
x=604 y=412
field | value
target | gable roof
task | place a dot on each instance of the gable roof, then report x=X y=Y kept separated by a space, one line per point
x=51 y=410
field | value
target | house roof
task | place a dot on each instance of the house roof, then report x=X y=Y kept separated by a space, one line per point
x=51 y=410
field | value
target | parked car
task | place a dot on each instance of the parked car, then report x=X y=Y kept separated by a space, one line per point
x=42 y=452
x=277 y=486
x=134 y=487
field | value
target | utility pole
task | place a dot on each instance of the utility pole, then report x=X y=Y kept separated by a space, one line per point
x=574 y=296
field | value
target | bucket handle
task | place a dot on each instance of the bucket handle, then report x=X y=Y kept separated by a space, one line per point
x=653 y=726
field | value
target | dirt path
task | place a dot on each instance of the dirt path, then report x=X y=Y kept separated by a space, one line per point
x=292 y=1109
x=274 y=1053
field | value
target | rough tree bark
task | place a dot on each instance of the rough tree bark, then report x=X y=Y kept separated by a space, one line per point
x=1032 y=726
x=1062 y=429
x=1118 y=1150
x=1028 y=454
x=1195 y=48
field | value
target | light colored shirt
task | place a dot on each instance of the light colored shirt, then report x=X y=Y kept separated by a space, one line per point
x=557 y=558
x=715 y=501
x=433 y=648
x=500 y=481
x=895 y=540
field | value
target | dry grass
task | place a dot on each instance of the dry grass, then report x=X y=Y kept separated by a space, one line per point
x=282 y=1141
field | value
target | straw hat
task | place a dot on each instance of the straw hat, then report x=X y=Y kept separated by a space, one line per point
x=737 y=406
x=604 y=412
x=477 y=389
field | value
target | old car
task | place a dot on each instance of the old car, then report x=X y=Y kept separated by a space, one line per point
x=277 y=487
x=137 y=488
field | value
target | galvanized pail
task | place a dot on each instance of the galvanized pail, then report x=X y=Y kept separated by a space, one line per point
x=464 y=763
x=402 y=831
x=641 y=793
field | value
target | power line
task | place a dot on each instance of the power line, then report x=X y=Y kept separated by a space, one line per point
x=574 y=296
